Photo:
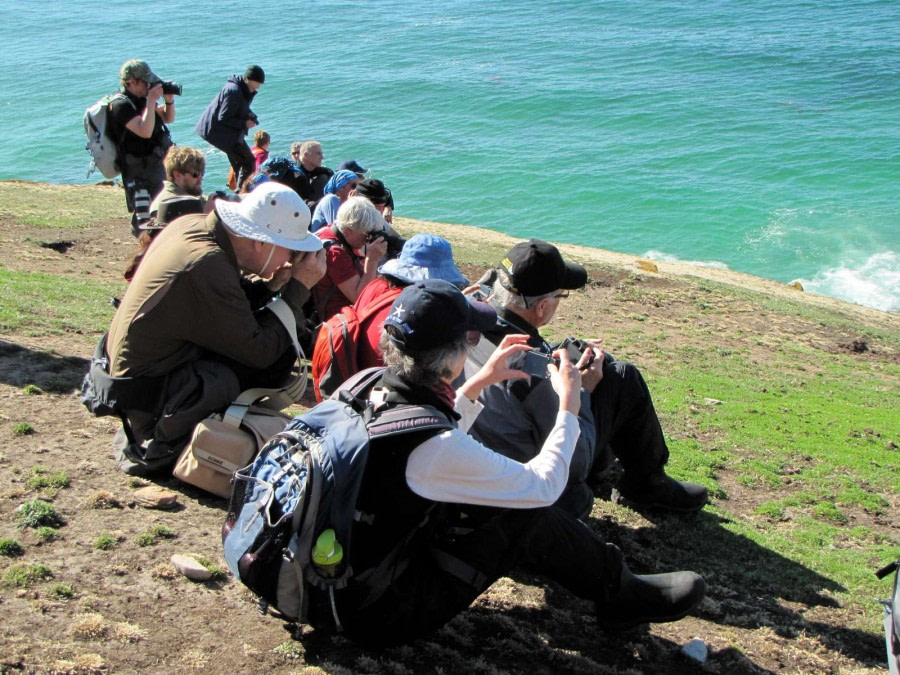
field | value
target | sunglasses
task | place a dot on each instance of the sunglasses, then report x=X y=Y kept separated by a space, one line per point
x=295 y=154
x=196 y=174
x=473 y=337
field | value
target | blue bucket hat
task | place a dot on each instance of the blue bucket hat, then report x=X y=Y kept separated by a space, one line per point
x=433 y=313
x=339 y=180
x=424 y=256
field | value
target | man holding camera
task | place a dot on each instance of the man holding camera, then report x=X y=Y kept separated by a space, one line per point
x=138 y=125
x=187 y=337
x=228 y=118
x=617 y=410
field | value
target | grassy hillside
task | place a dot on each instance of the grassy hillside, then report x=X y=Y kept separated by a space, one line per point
x=783 y=404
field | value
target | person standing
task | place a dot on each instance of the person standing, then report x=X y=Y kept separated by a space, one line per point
x=227 y=119
x=138 y=125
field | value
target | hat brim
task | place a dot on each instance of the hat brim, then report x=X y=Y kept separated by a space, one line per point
x=242 y=226
x=482 y=317
x=412 y=273
x=575 y=277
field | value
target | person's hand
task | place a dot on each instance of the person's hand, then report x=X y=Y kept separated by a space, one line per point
x=590 y=365
x=388 y=214
x=496 y=368
x=309 y=267
x=154 y=92
x=250 y=124
x=280 y=277
x=566 y=382
x=376 y=250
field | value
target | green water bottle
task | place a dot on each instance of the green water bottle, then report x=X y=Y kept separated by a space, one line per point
x=327 y=553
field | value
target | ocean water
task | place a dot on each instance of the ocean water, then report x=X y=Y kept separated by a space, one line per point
x=762 y=136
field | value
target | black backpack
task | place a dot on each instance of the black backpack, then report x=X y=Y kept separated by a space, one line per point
x=292 y=510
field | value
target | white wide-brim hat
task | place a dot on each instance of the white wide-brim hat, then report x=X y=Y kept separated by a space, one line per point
x=273 y=213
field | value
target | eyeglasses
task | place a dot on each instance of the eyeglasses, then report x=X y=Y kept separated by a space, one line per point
x=473 y=337
x=295 y=154
x=352 y=185
x=196 y=174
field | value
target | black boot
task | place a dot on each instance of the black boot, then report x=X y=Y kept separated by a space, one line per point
x=650 y=598
x=660 y=492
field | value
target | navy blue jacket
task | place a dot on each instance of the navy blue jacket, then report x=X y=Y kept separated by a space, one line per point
x=224 y=122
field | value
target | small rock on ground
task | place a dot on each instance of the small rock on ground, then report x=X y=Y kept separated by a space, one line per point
x=190 y=568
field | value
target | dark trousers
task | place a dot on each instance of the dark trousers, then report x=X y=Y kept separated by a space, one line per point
x=242 y=161
x=443 y=577
x=143 y=179
x=626 y=421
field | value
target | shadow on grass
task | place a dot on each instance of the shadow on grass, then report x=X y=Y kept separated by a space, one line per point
x=21 y=366
x=749 y=586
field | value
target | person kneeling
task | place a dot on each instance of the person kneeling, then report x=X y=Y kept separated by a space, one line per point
x=187 y=337
x=392 y=599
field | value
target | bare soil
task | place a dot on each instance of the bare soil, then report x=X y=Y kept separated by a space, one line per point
x=130 y=613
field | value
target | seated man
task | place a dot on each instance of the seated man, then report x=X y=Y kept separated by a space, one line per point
x=616 y=406
x=187 y=338
x=354 y=246
x=410 y=579
x=184 y=176
x=309 y=157
x=375 y=191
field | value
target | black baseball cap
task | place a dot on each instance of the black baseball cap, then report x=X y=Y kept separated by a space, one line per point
x=432 y=313
x=536 y=267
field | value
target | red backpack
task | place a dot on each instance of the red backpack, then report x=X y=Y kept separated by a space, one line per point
x=335 y=353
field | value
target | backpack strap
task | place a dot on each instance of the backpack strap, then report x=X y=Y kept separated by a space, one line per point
x=275 y=399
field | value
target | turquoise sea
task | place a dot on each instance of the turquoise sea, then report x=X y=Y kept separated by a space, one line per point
x=760 y=135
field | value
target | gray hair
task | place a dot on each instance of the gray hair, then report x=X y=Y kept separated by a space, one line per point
x=503 y=297
x=308 y=146
x=425 y=368
x=359 y=214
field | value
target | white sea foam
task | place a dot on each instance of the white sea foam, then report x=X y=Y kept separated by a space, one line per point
x=874 y=283
x=668 y=257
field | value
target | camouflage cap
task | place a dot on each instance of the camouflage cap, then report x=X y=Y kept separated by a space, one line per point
x=135 y=69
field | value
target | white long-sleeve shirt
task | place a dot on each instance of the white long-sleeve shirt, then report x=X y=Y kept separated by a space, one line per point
x=454 y=467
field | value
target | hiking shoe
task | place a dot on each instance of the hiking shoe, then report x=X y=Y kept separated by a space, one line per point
x=650 y=598
x=665 y=494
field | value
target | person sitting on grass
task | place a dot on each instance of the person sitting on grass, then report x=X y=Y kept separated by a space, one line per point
x=616 y=408
x=187 y=337
x=185 y=168
x=352 y=258
x=410 y=580
x=337 y=191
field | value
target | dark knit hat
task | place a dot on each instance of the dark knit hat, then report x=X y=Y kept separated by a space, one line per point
x=255 y=73
x=373 y=190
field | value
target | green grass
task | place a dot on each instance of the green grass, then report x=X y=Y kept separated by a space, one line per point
x=57 y=206
x=40 y=304
x=106 y=542
x=23 y=576
x=41 y=477
x=10 y=548
x=38 y=513
x=62 y=591
x=23 y=429
x=32 y=390
x=154 y=534
x=46 y=534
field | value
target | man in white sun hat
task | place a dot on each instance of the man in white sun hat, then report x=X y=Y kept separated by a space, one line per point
x=188 y=336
